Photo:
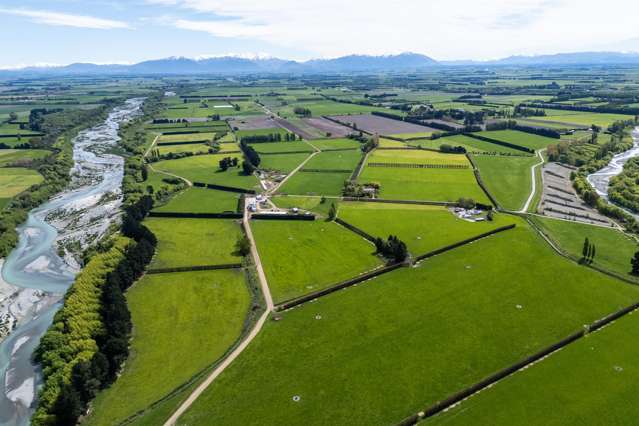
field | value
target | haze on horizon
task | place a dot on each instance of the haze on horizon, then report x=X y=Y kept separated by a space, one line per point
x=118 y=31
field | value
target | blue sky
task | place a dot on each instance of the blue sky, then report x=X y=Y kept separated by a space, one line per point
x=107 y=31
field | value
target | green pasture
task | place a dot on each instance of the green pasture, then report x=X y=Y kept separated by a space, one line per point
x=12 y=156
x=592 y=381
x=508 y=179
x=422 y=228
x=390 y=347
x=205 y=168
x=194 y=242
x=335 y=160
x=312 y=183
x=300 y=257
x=524 y=139
x=201 y=200
x=281 y=147
x=182 y=324
x=614 y=249
x=329 y=144
x=14 y=180
x=284 y=163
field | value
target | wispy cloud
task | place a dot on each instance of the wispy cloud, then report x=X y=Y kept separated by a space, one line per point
x=65 y=19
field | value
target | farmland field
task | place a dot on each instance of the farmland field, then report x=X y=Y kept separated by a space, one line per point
x=527 y=140
x=335 y=160
x=455 y=318
x=592 y=381
x=422 y=184
x=303 y=183
x=284 y=163
x=614 y=249
x=279 y=147
x=508 y=179
x=183 y=322
x=201 y=200
x=195 y=148
x=468 y=143
x=328 y=144
x=187 y=137
x=301 y=257
x=422 y=228
x=205 y=168
x=382 y=125
x=584 y=118
x=326 y=107
x=194 y=242
x=12 y=156
x=14 y=180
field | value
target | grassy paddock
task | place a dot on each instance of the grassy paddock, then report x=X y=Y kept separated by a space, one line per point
x=201 y=200
x=302 y=183
x=384 y=350
x=301 y=257
x=194 y=242
x=592 y=381
x=205 y=168
x=614 y=249
x=508 y=179
x=422 y=228
x=14 y=180
x=527 y=140
x=183 y=322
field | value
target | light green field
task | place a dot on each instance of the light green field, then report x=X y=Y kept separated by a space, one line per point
x=470 y=144
x=328 y=144
x=11 y=156
x=592 y=381
x=614 y=249
x=281 y=147
x=335 y=160
x=584 y=118
x=412 y=135
x=313 y=204
x=261 y=132
x=194 y=242
x=389 y=143
x=307 y=183
x=301 y=257
x=229 y=147
x=14 y=180
x=527 y=140
x=422 y=184
x=508 y=179
x=422 y=228
x=284 y=163
x=177 y=149
x=182 y=323
x=416 y=156
x=188 y=137
x=327 y=107
x=384 y=350
x=205 y=168
x=201 y=200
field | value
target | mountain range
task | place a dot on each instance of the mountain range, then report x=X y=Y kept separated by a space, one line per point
x=346 y=64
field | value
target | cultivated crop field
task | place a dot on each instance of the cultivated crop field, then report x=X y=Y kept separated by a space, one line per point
x=284 y=163
x=382 y=125
x=432 y=184
x=460 y=310
x=281 y=147
x=313 y=253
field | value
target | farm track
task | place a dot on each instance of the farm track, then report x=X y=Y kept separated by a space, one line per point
x=534 y=181
x=266 y=293
x=188 y=182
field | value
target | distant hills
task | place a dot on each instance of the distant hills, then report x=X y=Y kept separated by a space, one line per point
x=345 y=64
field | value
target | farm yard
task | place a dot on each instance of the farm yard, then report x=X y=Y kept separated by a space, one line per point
x=300 y=271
